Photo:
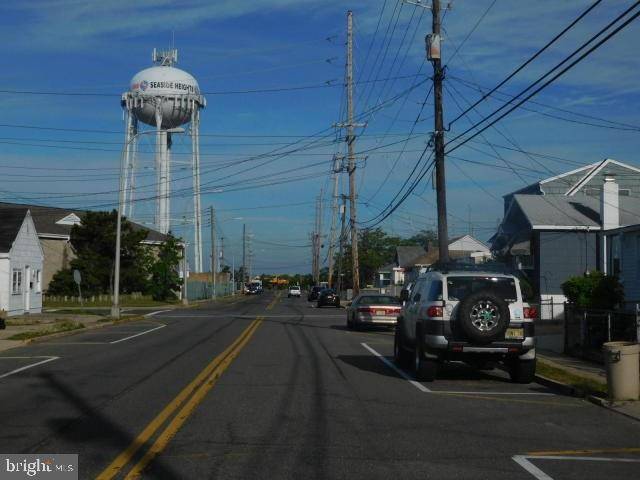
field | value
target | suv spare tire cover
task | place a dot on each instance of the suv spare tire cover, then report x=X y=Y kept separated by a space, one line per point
x=483 y=316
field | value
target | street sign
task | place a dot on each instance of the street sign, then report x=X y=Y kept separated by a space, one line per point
x=77 y=277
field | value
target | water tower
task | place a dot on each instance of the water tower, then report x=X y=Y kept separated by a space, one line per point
x=164 y=97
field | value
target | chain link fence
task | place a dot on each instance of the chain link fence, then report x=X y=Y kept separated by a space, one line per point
x=201 y=290
x=586 y=330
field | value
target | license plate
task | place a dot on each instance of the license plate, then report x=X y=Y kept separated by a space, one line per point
x=381 y=312
x=514 y=334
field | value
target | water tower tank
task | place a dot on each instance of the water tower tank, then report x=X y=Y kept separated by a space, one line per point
x=168 y=87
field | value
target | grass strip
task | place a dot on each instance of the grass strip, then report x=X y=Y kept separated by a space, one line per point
x=65 y=326
x=587 y=385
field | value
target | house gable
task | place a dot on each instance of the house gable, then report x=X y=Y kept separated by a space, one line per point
x=467 y=243
x=71 y=219
x=627 y=177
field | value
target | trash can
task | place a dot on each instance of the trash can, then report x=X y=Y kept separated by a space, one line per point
x=623 y=370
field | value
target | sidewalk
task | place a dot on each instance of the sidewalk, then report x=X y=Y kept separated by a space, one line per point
x=592 y=372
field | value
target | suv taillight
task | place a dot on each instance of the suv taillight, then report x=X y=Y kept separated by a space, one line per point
x=530 y=312
x=434 y=312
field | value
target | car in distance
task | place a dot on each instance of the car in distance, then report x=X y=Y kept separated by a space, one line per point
x=373 y=309
x=313 y=293
x=328 y=296
x=252 y=289
x=478 y=317
x=294 y=291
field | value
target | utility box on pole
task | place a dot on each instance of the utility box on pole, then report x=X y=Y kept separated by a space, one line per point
x=432 y=42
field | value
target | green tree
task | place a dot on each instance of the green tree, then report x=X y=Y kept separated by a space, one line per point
x=93 y=243
x=165 y=280
x=595 y=290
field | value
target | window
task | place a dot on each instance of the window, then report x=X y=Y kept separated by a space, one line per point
x=624 y=192
x=38 y=281
x=378 y=300
x=435 y=291
x=16 y=282
x=458 y=288
x=417 y=290
x=638 y=257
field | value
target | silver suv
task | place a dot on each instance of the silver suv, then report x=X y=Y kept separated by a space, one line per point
x=478 y=317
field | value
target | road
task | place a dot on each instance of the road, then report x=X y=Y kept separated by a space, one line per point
x=270 y=387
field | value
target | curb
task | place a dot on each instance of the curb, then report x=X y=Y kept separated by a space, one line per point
x=563 y=388
x=95 y=326
x=605 y=403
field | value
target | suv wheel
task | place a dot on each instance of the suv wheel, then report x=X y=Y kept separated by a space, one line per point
x=522 y=371
x=483 y=316
x=401 y=355
x=425 y=368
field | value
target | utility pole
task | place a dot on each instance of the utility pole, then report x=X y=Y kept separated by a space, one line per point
x=213 y=251
x=352 y=157
x=433 y=53
x=343 y=212
x=244 y=253
x=334 y=214
x=317 y=240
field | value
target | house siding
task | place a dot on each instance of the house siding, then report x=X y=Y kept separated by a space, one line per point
x=630 y=266
x=57 y=255
x=25 y=252
x=562 y=255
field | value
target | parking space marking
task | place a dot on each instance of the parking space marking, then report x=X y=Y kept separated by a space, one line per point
x=137 y=334
x=156 y=313
x=524 y=462
x=26 y=367
x=422 y=388
x=389 y=364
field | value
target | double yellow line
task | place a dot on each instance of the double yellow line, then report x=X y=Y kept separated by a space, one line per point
x=185 y=403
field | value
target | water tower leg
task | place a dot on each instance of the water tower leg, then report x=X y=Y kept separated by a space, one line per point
x=132 y=162
x=162 y=174
x=128 y=137
x=197 y=207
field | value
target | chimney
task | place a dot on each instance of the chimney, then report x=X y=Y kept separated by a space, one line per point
x=609 y=211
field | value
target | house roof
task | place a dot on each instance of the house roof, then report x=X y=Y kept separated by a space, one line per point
x=594 y=171
x=560 y=211
x=47 y=220
x=12 y=220
x=406 y=256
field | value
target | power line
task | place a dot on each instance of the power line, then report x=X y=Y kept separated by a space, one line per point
x=533 y=57
x=556 y=76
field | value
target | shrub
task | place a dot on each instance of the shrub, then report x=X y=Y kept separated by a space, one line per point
x=594 y=290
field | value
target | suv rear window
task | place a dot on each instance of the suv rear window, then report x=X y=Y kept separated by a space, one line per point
x=459 y=288
x=379 y=300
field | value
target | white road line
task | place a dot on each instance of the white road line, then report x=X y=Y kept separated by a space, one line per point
x=494 y=393
x=530 y=467
x=156 y=313
x=22 y=369
x=389 y=364
x=137 y=334
x=524 y=462
x=230 y=315
x=584 y=459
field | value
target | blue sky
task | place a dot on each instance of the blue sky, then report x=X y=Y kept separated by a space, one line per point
x=73 y=46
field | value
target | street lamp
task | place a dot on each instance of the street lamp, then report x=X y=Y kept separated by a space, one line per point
x=115 y=306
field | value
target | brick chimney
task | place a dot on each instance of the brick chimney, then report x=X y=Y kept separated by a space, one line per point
x=609 y=203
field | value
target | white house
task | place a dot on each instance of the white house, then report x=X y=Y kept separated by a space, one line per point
x=21 y=261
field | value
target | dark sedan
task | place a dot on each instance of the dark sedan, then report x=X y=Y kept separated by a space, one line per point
x=314 y=293
x=328 y=297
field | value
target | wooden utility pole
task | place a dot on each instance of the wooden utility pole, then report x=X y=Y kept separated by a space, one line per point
x=343 y=212
x=244 y=253
x=212 y=216
x=352 y=158
x=334 y=215
x=433 y=53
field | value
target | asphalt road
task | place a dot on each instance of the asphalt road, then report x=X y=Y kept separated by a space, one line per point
x=270 y=387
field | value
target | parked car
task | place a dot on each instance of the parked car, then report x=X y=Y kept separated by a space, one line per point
x=471 y=316
x=328 y=296
x=373 y=309
x=313 y=293
x=294 y=291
